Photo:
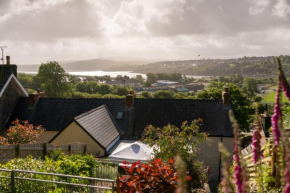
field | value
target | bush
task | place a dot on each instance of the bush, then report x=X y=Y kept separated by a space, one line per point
x=153 y=177
x=170 y=141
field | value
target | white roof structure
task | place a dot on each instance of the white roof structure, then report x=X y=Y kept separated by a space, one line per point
x=12 y=78
x=131 y=152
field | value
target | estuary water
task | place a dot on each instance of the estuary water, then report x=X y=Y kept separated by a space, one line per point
x=102 y=73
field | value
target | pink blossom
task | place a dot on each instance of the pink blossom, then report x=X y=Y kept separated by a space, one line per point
x=275 y=118
x=286 y=88
x=256 y=143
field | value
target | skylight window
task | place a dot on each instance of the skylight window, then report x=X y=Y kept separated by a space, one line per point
x=120 y=115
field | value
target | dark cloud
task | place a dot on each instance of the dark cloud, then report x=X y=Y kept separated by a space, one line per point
x=72 y=19
x=224 y=17
x=4 y=7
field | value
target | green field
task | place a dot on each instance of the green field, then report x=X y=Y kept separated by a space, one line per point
x=270 y=98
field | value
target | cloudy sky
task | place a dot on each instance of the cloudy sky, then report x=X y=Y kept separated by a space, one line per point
x=37 y=31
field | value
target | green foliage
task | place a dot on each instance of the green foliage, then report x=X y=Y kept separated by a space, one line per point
x=146 y=84
x=163 y=94
x=241 y=103
x=146 y=95
x=119 y=90
x=25 y=79
x=250 y=86
x=152 y=78
x=55 y=82
x=169 y=141
x=270 y=98
x=57 y=162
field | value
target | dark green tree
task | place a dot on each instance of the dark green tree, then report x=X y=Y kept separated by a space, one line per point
x=163 y=94
x=250 y=86
x=241 y=103
x=55 y=82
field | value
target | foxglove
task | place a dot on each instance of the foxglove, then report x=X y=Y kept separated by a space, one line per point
x=239 y=174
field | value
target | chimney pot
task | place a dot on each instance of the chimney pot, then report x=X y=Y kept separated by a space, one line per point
x=38 y=90
x=130 y=99
x=226 y=96
x=34 y=97
x=8 y=60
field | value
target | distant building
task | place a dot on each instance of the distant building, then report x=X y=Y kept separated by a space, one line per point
x=194 y=87
x=131 y=83
x=165 y=83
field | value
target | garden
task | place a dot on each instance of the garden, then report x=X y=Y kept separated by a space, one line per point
x=175 y=166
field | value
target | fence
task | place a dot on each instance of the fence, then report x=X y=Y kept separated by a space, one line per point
x=37 y=150
x=106 y=169
x=16 y=181
x=267 y=162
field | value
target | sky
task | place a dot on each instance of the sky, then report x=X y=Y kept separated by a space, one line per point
x=38 y=31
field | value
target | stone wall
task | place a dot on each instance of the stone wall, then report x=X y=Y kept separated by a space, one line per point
x=8 y=102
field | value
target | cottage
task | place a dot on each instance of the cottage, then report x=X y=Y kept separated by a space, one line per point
x=97 y=128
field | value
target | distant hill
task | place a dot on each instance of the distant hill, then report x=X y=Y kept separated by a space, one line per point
x=247 y=66
x=103 y=64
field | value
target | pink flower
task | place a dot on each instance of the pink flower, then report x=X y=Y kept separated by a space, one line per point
x=239 y=174
x=276 y=116
x=286 y=88
x=256 y=143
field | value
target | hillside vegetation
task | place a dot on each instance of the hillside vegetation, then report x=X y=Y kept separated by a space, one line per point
x=247 y=66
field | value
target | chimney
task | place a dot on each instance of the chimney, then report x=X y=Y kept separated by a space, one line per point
x=266 y=121
x=6 y=70
x=130 y=99
x=226 y=96
x=8 y=60
x=34 y=97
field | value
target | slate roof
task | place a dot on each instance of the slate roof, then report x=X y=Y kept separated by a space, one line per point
x=99 y=124
x=160 y=112
x=54 y=114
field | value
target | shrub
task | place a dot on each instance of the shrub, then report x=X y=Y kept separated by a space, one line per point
x=170 y=141
x=153 y=177
x=21 y=132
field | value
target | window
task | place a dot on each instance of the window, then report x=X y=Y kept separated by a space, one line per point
x=119 y=115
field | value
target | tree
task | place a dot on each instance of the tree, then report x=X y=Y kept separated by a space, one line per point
x=104 y=89
x=146 y=84
x=163 y=94
x=55 y=82
x=139 y=78
x=21 y=133
x=250 y=86
x=241 y=102
x=170 y=141
x=151 y=78
x=180 y=95
x=146 y=95
x=119 y=90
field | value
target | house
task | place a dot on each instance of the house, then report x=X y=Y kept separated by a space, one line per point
x=10 y=91
x=97 y=128
x=165 y=83
x=102 y=122
x=130 y=82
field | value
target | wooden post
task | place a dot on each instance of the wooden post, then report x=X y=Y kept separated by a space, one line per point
x=13 y=190
x=17 y=150
x=85 y=149
x=118 y=184
x=69 y=149
x=44 y=150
